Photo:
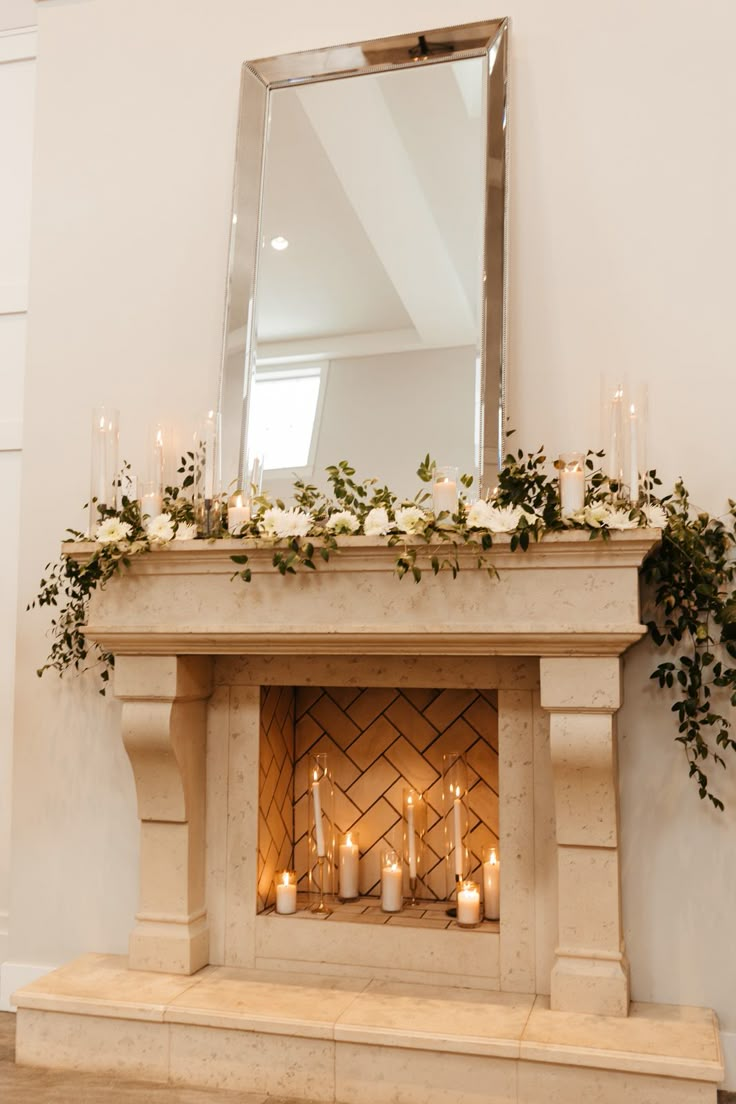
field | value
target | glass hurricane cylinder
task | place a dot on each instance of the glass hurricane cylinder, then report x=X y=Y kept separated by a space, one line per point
x=636 y=423
x=468 y=904
x=615 y=434
x=285 y=888
x=571 y=467
x=207 y=476
x=491 y=884
x=445 y=493
x=321 y=832
x=415 y=827
x=392 y=879
x=103 y=493
x=456 y=818
x=348 y=863
x=255 y=479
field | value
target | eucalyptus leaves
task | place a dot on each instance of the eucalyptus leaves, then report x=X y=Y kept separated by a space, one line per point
x=688 y=579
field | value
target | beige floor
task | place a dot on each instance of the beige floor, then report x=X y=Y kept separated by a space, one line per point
x=31 y=1086
x=19 y=1085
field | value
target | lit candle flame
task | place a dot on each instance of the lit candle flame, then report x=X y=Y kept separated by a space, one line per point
x=493 y=860
x=239 y=501
x=632 y=410
x=315 y=775
x=286 y=877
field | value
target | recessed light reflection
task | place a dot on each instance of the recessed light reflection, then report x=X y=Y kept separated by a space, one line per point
x=279 y=243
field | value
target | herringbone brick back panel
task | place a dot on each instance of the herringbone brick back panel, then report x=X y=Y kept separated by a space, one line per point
x=276 y=788
x=379 y=742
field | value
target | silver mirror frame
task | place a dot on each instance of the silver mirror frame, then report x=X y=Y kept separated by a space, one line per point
x=259 y=79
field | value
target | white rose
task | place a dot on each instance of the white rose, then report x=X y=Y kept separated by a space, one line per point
x=504 y=519
x=377 y=522
x=185 y=531
x=656 y=515
x=160 y=529
x=480 y=515
x=343 y=521
x=112 y=531
x=619 y=519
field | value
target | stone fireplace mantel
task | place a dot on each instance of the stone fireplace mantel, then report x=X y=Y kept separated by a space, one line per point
x=366 y=1007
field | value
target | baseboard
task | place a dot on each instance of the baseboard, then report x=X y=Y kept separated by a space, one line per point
x=14 y=975
x=728 y=1045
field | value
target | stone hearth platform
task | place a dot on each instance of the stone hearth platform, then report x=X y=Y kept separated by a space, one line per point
x=360 y=1041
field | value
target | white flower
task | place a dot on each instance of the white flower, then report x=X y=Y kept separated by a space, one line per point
x=410 y=519
x=619 y=519
x=376 y=522
x=185 y=531
x=656 y=515
x=503 y=519
x=595 y=515
x=343 y=521
x=160 y=529
x=480 y=515
x=285 y=523
x=112 y=531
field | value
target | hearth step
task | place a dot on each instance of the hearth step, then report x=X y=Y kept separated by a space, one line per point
x=360 y=1041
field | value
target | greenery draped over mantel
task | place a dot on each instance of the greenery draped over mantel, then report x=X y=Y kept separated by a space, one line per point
x=687 y=581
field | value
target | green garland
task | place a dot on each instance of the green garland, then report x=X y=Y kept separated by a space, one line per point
x=688 y=578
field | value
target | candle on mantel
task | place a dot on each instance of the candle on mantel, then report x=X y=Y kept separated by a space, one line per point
x=633 y=454
x=348 y=867
x=572 y=484
x=444 y=491
x=319 y=835
x=468 y=904
x=286 y=892
x=151 y=503
x=238 y=514
x=492 y=886
x=458 y=833
x=391 y=884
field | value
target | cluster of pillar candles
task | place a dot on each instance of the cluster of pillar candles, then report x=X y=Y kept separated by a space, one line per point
x=399 y=869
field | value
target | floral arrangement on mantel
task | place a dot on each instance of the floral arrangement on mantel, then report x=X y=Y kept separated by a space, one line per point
x=688 y=579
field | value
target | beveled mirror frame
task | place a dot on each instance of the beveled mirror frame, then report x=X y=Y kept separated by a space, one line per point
x=259 y=79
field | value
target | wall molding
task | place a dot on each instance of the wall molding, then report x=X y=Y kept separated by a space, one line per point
x=14 y=975
x=18 y=45
x=11 y=440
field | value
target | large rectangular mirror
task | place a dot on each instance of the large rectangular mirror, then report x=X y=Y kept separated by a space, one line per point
x=366 y=296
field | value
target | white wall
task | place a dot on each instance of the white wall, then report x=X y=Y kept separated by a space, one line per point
x=17 y=71
x=623 y=233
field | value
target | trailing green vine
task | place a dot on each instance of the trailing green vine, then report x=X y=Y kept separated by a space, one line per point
x=688 y=579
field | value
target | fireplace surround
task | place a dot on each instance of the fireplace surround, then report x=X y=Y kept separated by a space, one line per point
x=197 y=658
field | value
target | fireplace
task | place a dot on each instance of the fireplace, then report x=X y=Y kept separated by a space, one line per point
x=225 y=687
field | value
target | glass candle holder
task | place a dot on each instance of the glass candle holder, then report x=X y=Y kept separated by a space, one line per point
x=238 y=512
x=207 y=476
x=255 y=481
x=444 y=493
x=491 y=884
x=151 y=500
x=415 y=827
x=455 y=811
x=571 y=467
x=614 y=425
x=348 y=867
x=321 y=831
x=468 y=904
x=636 y=445
x=103 y=494
x=285 y=885
x=392 y=878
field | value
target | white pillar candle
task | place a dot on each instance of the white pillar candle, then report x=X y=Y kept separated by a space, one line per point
x=286 y=894
x=633 y=454
x=348 y=869
x=457 y=824
x=238 y=514
x=492 y=887
x=411 y=838
x=151 y=504
x=468 y=903
x=391 y=887
x=319 y=835
x=572 y=491
x=444 y=494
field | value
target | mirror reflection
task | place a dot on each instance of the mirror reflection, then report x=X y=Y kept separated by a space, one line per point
x=366 y=337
